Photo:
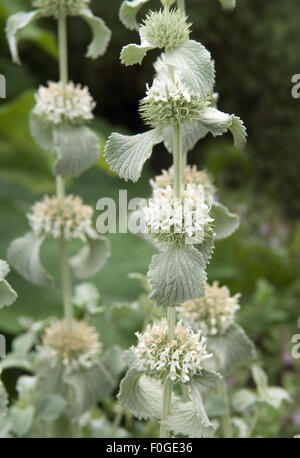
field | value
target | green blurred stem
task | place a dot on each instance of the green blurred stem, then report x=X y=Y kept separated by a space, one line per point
x=225 y=419
x=60 y=185
x=181 y=5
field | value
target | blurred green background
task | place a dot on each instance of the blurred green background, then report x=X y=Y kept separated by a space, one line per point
x=256 y=49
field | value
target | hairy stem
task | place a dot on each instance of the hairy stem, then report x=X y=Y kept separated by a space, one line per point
x=225 y=419
x=181 y=5
x=171 y=312
x=60 y=185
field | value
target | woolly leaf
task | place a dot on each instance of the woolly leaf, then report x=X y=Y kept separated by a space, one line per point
x=194 y=63
x=126 y=154
x=232 y=349
x=101 y=34
x=51 y=407
x=275 y=396
x=228 y=4
x=176 y=275
x=243 y=399
x=129 y=11
x=141 y=395
x=226 y=223
x=21 y=419
x=218 y=123
x=14 y=25
x=7 y=294
x=239 y=132
x=134 y=54
x=42 y=132
x=191 y=133
x=190 y=418
x=24 y=256
x=91 y=258
x=77 y=148
x=90 y=386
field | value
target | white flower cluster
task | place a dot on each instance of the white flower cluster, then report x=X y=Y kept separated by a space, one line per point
x=213 y=313
x=191 y=176
x=178 y=359
x=76 y=346
x=67 y=217
x=168 y=101
x=56 y=105
x=178 y=219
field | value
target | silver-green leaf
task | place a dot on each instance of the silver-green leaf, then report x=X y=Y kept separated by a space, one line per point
x=24 y=256
x=195 y=64
x=126 y=154
x=225 y=222
x=21 y=419
x=91 y=258
x=141 y=395
x=128 y=13
x=77 y=148
x=176 y=275
x=233 y=348
x=7 y=294
x=41 y=131
x=14 y=25
x=101 y=34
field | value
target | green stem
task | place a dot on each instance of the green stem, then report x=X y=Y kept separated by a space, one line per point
x=171 y=312
x=60 y=185
x=181 y=5
x=225 y=419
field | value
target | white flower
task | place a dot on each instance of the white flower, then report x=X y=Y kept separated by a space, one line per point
x=66 y=217
x=214 y=312
x=75 y=105
x=178 y=359
x=76 y=347
x=191 y=176
x=178 y=219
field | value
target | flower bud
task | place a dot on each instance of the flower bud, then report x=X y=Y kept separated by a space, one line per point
x=58 y=8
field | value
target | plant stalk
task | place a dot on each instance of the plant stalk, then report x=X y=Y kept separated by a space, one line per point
x=181 y=5
x=225 y=419
x=171 y=312
x=60 y=185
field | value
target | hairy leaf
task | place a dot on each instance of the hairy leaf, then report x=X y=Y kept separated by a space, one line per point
x=91 y=258
x=7 y=294
x=218 y=123
x=51 y=407
x=141 y=395
x=176 y=275
x=42 y=132
x=14 y=25
x=90 y=386
x=232 y=349
x=24 y=256
x=101 y=34
x=126 y=154
x=129 y=11
x=226 y=223
x=77 y=148
x=243 y=399
x=21 y=419
x=194 y=63
x=189 y=419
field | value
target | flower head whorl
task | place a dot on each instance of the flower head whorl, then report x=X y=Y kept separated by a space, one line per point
x=214 y=312
x=67 y=217
x=178 y=219
x=178 y=359
x=167 y=29
x=57 y=8
x=169 y=102
x=76 y=346
x=55 y=106
x=191 y=176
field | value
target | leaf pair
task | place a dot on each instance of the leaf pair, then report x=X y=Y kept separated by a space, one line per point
x=24 y=257
x=17 y=22
x=143 y=397
x=77 y=147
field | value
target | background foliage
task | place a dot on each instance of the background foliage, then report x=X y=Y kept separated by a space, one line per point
x=256 y=49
